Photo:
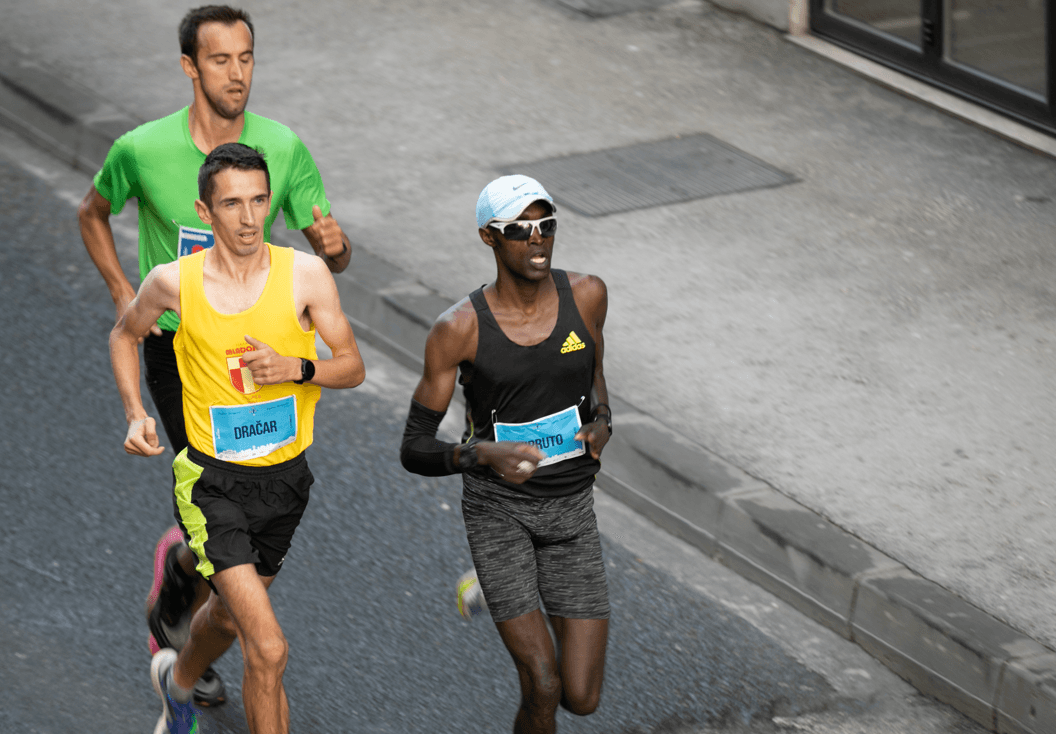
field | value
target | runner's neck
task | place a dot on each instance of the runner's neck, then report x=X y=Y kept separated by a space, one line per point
x=233 y=270
x=524 y=296
x=209 y=130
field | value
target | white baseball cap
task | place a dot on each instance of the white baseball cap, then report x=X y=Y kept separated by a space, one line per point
x=506 y=197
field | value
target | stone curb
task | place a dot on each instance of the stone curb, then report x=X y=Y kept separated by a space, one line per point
x=940 y=643
x=64 y=119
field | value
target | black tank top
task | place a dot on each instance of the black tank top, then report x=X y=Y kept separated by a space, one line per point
x=511 y=384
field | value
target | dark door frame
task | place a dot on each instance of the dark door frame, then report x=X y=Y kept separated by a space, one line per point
x=926 y=62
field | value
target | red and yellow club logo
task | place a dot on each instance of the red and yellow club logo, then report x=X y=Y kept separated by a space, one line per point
x=241 y=377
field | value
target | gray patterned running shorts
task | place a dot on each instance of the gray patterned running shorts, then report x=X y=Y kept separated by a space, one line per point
x=526 y=548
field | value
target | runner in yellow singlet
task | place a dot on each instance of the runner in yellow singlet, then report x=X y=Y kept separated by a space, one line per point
x=245 y=348
x=156 y=165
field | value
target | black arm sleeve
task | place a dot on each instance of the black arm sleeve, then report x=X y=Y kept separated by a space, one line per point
x=420 y=451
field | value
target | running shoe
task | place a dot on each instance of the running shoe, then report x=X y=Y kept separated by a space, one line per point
x=168 y=607
x=209 y=690
x=171 y=595
x=173 y=536
x=470 y=596
x=176 y=718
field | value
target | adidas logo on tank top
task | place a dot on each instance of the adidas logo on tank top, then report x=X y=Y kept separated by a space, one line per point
x=572 y=344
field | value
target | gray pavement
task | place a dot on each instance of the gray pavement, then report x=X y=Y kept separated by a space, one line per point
x=874 y=342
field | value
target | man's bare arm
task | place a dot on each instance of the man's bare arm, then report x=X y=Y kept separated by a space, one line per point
x=160 y=291
x=345 y=368
x=447 y=345
x=93 y=215
x=592 y=299
x=314 y=287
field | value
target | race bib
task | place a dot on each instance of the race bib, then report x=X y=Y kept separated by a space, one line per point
x=244 y=432
x=193 y=240
x=554 y=435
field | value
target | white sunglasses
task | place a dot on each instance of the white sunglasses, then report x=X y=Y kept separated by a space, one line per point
x=521 y=229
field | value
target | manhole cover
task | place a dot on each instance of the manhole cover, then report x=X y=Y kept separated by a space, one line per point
x=651 y=174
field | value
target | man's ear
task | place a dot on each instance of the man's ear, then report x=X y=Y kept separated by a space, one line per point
x=203 y=211
x=189 y=67
x=488 y=235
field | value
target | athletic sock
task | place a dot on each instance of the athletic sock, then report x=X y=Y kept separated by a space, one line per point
x=176 y=693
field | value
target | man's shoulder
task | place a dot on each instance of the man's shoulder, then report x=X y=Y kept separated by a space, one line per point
x=459 y=319
x=163 y=127
x=453 y=336
x=459 y=311
x=590 y=293
x=166 y=276
x=147 y=141
x=306 y=262
x=585 y=283
x=260 y=130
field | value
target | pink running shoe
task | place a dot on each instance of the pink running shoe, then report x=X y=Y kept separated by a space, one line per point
x=168 y=614
x=172 y=537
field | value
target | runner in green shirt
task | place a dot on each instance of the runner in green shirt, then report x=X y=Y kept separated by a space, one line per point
x=157 y=163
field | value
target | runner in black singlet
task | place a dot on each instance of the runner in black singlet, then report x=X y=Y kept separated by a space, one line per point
x=529 y=349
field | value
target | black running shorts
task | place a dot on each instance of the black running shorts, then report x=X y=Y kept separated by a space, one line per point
x=232 y=514
x=526 y=548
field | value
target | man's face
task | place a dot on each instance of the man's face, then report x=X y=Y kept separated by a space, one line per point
x=238 y=210
x=529 y=259
x=224 y=66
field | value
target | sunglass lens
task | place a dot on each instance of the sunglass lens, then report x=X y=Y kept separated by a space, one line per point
x=517 y=231
x=523 y=230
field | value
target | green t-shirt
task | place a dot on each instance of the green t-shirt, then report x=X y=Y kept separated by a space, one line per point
x=158 y=164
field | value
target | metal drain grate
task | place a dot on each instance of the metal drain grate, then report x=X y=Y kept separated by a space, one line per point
x=651 y=174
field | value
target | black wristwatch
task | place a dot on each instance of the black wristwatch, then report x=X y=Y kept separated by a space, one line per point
x=307 y=371
x=606 y=416
x=467 y=457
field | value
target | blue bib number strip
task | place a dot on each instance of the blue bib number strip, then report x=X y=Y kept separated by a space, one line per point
x=554 y=435
x=244 y=432
x=192 y=240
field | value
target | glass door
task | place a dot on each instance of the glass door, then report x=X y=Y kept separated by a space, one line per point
x=994 y=52
x=1003 y=40
x=898 y=19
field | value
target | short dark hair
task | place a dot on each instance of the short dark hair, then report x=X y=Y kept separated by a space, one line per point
x=208 y=14
x=228 y=155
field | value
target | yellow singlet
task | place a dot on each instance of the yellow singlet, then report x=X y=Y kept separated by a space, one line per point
x=228 y=416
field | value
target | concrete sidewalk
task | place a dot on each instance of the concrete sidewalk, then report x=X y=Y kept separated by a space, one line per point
x=869 y=350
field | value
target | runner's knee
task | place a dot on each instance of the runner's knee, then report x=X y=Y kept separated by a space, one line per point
x=219 y=618
x=582 y=702
x=267 y=653
x=581 y=687
x=541 y=683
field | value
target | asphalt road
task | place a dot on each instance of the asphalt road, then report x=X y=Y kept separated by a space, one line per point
x=367 y=593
